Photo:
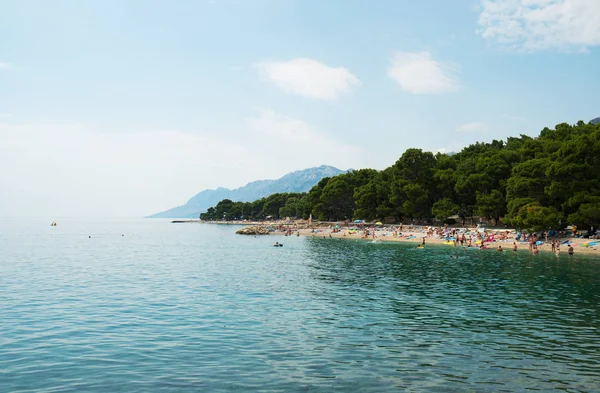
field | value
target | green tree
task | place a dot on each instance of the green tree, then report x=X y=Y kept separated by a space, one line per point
x=412 y=183
x=491 y=204
x=537 y=217
x=588 y=214
x=366 y=201
x=209 y=215
x=337 y=199
x=527 y=184
x=444 y=208
x=575 y=170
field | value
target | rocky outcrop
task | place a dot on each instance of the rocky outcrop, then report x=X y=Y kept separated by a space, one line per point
x=254 y=230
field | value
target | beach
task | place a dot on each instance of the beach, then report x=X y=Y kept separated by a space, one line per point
x=415 y=235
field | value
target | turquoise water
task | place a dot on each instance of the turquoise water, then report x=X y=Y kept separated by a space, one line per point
x=189 y=307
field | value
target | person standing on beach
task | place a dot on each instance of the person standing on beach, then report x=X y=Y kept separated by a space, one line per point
x=531 y=243
x=570 y=250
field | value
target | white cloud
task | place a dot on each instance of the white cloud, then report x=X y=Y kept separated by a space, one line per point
x=309 y=78
x=542 y=24
x=72 y=170
x=5 y=66
x=476 y=126
x=419 y=73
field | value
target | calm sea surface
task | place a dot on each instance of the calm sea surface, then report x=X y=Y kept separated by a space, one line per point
x=190 y=307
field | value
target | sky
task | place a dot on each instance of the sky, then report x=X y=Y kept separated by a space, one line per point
x=112 y=108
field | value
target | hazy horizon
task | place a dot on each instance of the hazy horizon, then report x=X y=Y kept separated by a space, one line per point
x=111 y=109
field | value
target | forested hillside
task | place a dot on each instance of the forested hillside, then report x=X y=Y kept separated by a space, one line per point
x=542 y=182
x=297 y=181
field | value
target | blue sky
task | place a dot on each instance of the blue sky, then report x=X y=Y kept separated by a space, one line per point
x=125 y=108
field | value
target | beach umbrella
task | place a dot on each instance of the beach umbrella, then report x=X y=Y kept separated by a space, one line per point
x=336 y=227
x=357 y=221
x=378 y=223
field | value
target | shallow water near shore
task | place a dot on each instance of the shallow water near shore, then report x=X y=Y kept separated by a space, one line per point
x=145 y=305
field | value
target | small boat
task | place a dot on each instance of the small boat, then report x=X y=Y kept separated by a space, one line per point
x=53 y=224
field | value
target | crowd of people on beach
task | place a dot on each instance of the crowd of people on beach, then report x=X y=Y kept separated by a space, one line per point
x=478 y=237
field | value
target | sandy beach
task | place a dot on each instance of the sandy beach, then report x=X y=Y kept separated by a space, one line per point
x=415 y=236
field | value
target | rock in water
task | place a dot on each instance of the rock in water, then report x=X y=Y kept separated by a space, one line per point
x=254 y=230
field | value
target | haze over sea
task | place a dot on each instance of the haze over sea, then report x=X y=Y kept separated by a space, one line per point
x=145 y=305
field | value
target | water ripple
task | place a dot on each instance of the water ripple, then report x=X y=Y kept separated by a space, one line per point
x=191 y=307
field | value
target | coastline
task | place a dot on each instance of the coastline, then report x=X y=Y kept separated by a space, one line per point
x=415 y=237
x=410 y=235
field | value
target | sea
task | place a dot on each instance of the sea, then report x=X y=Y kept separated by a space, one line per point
x=145 y=305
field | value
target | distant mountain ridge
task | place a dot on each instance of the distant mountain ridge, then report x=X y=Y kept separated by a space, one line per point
x=595 y=121
x=297 y=181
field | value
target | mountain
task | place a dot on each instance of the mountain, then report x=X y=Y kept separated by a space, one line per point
x=298 y=181
x=595 y=121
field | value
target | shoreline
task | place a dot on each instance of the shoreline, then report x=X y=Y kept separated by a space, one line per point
x=416 y=238
x=410 y=234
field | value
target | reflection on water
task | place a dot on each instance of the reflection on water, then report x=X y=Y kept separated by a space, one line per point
x=144 y=305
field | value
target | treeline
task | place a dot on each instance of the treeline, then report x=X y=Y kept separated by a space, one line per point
x=531 y=183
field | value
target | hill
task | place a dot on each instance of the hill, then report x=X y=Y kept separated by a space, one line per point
x=531 y=183
x=595 y=121
x=297 y=181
